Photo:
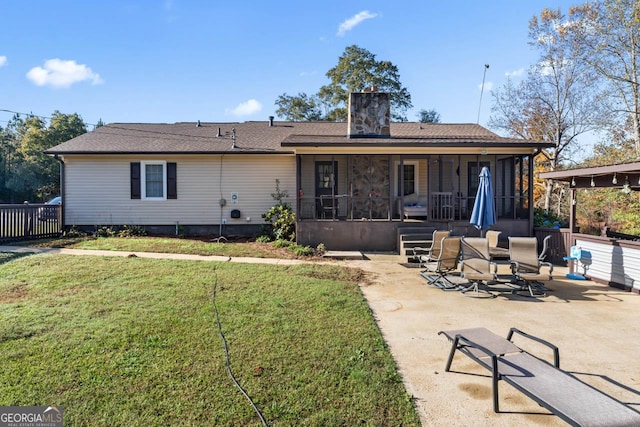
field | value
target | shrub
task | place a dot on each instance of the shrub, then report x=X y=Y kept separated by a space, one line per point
x=542 y=218
x=302 y=250
x=104 y=231
x=74 y=232
x=131 y=231
x=263 y=239
x=321 y=249
x=282 y=243
x=281 y=217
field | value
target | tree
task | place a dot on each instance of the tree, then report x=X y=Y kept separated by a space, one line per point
x=28 y=173
x=357 y=69
x=607 y=33
x=428 y=116
x=559 y=100
x=298 y=108
x=7 y=161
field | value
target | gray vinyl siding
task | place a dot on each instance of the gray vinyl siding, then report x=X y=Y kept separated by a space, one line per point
x=98 y=189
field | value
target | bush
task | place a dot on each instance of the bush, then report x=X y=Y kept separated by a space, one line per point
x=542 y=218
x=105 y=231
x=283 y=222
x=131 y=231
x=263 y=239
x=281 y=243
x=321 y=249
x=302 y=250
x=281 y=217
x=74 y=232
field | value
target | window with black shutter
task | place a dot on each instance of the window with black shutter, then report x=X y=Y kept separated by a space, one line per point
x=154 y=180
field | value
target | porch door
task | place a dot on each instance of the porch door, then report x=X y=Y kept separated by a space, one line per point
x=326 y=187
x=473 y=181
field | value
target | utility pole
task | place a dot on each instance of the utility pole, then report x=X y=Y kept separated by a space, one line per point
x=486 y=67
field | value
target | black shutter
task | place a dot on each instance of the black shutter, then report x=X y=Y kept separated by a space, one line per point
x=172 y=181
x=135 y=180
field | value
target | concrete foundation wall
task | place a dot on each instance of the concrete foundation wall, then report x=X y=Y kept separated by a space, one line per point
x=382 y=236
x=371 y=236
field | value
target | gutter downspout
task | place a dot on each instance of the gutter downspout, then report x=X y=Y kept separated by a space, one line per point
x=62 y=190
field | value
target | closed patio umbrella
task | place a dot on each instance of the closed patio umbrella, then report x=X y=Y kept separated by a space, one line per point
x=483 y=215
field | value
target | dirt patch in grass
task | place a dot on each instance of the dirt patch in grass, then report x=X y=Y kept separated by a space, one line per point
x=14 y=293
x=233 y=246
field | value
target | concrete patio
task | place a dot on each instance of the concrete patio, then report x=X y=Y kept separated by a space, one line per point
x=596 y=328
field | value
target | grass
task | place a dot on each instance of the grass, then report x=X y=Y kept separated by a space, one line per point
x=134 y=341
x=191 y=246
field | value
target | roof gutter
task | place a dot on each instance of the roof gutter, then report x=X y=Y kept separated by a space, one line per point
x=167 y=153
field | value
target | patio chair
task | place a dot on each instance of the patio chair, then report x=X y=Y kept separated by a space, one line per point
x=545 y=248
x=526 y=268
x=572 y=400
x=432 y=253
x=476 y=267
x=436 y=271
x=495 y=251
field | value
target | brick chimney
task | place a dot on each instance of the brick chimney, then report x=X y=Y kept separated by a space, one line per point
x=369 y=114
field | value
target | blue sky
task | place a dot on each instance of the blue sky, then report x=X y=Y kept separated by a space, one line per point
x=187 y=60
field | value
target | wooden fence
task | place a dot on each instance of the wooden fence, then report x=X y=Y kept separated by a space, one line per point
x=559 y=244
x=29 y=221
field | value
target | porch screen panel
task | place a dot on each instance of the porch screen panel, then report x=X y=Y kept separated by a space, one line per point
x=522 y=187
x=370 y=186
x=505 y=184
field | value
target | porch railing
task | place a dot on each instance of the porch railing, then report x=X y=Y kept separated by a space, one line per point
x=29 y=221
x=442 y=206
x=343 y=207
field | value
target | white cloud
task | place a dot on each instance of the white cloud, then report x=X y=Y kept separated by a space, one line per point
x=62 y=74
x=514 y=73
x=246 y=108
x=355 y=20
x=3 y=60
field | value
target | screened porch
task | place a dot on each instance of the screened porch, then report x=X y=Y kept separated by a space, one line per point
x=424 y=188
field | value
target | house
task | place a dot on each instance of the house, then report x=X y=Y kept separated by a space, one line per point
x=352 y=185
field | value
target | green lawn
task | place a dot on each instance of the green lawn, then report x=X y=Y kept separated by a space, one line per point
x=134 y=341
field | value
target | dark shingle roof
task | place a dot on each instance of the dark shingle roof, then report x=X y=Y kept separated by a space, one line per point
x=259 y=137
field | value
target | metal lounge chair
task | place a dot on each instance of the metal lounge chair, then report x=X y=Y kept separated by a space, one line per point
x=526 y=267
x=436 y=271
x=476 y=267
x=496 y=251
x=545 y=248
x=432 y=253
x=563 y=394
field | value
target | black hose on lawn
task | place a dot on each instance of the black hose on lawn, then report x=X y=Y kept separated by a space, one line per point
x=228 y=360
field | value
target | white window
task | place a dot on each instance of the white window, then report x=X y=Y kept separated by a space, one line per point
x=409 y=183
x=154 y=180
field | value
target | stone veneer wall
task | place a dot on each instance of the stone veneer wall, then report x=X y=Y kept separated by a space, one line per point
x=369 y=115
x=370 y=186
